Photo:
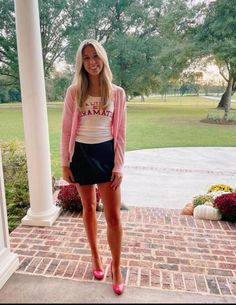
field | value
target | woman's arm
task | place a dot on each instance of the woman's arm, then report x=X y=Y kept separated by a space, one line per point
x=120 y=133
x=66 y=127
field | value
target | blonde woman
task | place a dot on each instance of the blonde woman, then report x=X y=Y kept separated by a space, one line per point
x=92 y=149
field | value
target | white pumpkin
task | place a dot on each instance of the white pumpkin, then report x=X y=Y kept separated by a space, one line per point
x=206 y=212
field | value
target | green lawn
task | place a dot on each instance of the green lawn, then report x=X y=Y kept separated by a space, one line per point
x=173 y=122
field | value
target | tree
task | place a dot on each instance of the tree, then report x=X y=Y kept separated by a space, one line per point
x=146 y=40
x=133 y=63
x=14 y=95
x=217 y=37
x=55 y=19
x=128 y=30
x=178 y=49
x=57 y=84
x=8 y=50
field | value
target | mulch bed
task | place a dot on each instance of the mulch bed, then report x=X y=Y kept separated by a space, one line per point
x=220 y=122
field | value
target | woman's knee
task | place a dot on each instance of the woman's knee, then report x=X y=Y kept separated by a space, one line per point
x=114 y=222
x=89 y=207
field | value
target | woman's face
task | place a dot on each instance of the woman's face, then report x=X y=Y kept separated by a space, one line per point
x=91 y=62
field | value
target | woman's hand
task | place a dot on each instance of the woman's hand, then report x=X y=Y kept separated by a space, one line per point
x=67 y=174
x=116 y=179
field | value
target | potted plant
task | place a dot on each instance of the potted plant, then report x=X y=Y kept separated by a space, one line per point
x=69 y=199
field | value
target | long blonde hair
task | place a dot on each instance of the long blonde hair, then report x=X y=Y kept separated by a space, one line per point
x=81 y=79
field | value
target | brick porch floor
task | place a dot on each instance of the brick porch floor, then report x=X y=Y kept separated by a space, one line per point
x=161 y=249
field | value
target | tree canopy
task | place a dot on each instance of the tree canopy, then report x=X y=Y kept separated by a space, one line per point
x=216 y=36
x=149 y=43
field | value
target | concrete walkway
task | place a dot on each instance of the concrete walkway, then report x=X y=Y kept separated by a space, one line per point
x=216 y=98
x=171 y=177
x=23 y=289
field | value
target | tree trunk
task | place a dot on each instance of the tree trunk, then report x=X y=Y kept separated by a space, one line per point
x=228 y=94
x=206 y=89
x=222 y=101
x=224 y=97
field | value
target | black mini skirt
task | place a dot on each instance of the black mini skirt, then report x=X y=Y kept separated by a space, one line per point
x=92 y=163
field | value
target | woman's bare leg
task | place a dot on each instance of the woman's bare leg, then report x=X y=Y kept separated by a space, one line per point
x=89 y=202
x=111 y=202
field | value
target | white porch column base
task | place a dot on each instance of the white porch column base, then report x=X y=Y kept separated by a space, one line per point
x=42 y=220
x=9 y=263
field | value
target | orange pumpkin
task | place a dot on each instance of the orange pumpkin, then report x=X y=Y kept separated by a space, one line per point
x=188 y=209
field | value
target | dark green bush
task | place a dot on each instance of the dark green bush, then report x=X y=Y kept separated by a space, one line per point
x=16 y=181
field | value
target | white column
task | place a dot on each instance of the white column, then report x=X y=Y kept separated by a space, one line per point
x=9 y=261
x=42 y=211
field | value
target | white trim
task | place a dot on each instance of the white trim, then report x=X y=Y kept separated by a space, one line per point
x=9 y=262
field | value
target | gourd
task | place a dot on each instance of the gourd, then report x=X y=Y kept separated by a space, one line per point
x=188 y=209
x=207 y=212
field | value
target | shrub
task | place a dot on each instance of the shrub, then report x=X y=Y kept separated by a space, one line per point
x=15 y=180
x=69 y=199
x=226 y=204
x=201 y=199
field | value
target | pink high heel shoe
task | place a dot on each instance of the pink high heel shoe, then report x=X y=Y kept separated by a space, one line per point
x=117 y=288
x=98 y=274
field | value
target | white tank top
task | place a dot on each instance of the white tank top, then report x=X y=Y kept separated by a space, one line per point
x=95 y=123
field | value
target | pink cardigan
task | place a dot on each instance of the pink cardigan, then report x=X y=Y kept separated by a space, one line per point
x=70 y=123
